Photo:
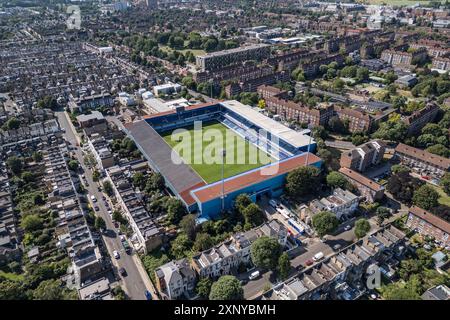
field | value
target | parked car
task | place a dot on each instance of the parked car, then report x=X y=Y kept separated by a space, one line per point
x=93 y=198
x=318 y=256
x=347 y=227
x=123 y=272
x=273 y=203
x=254 y=275
x=116 y=254
x=336 y=247
x=309 y=262
x=148 y=295
x=96 y=208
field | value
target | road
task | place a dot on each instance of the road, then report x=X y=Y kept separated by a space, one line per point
x=339 y=144
x=136 y=281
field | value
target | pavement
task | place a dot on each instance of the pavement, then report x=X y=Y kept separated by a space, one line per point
x=339 y=144
x=137 y=281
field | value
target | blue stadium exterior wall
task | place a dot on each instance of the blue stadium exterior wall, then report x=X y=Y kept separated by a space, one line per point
x=273 y=187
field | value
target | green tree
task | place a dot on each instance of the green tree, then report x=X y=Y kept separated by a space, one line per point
x=139 y=180
x=96 y=175
x=73 y=165
x=336 y=125
x=108 y=188
x=302 y=181
x=37 y=156
x=175 y=210
x=382 y=214
x=15 y=164
x=203 y=287
x=12 y=124
x=181 y=246
x=253 y=215
x=47 y=102
x=188 y=225
x=402 y=291
x=226 y=288
x=362 y=226
x=241 y=202
x=52 y=290
x=325 y=222
x=203 y=241
x=396 y=168
x=31 y=223
x=99 y=223
x=445 y=183
x=336 y=180
x=284 y=265
x=265 y=252
x=394 y=131
x=440 y=150
x=11 y=290
x=425 y=197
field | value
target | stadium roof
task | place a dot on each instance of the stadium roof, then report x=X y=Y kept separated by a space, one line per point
x=243 y=180
x=181 y=176
x=293 y=137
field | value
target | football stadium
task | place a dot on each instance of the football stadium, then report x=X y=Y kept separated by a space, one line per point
x=210 y=153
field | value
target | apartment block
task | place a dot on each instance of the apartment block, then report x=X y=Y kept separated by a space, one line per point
x=401 y=58
x=418 y=119
x=441 y=63
x=91 y=123
x=341 y=203
x=220 y=59
x=363 y=156
x=176 y=279
x=368 y=188
x=358 y=121
x=100 y=150
x=428 y=224
x=422 y=161
x=290 y=110
x=229 y=255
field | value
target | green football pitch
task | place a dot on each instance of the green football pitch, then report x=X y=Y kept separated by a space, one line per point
x=202 y=150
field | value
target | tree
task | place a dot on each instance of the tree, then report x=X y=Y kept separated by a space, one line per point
x=362 y=74
x=439 y=149
x=401 y=185
x=15 y=164
x=426 y=197
x=117 y=216
x=188 y=225
x=302 y=181
x=382 y=214
x=445 y=183
x=389 y=130
x=51 y=290
x=100 y=223
x=47 y=102
x=284 y=265
x=154 y=183
x=108 y=188
x=31 y=223
x=336 y=125
x=226 y=288
x=12 y=124
x=203 y=287
x=325 y=222
x=241 y=202
x=203 y=241
x=175 y=210
x=11 y=290
x=265 y=252
x=402 y=291
x=253 y=215
x=336 y=180
x=396 y=168
x=139 y=180
x=37 y=156
x=358 y=139
x=73 y=165
x=95 y=175
x=362 y=226
x=180 y=246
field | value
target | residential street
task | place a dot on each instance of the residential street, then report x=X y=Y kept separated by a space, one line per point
x=137 y=280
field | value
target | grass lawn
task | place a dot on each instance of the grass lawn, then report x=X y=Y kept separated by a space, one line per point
x=443 y=197
x=196 y=52
x=215 y=137
x=11 y=276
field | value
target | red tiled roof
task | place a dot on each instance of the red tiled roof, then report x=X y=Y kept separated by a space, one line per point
x=424 y=156
x=214 y=191
x=186 y=194
x=431 y=218
x=361 y=179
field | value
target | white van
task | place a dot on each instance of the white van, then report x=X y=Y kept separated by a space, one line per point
x=254 y=275
x=318 y=256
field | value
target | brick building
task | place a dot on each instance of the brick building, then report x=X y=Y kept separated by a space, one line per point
x=363 y=156
x=368 y=188
x=428 y=224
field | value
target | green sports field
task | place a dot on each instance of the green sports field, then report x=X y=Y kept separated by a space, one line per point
x=205 y=157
